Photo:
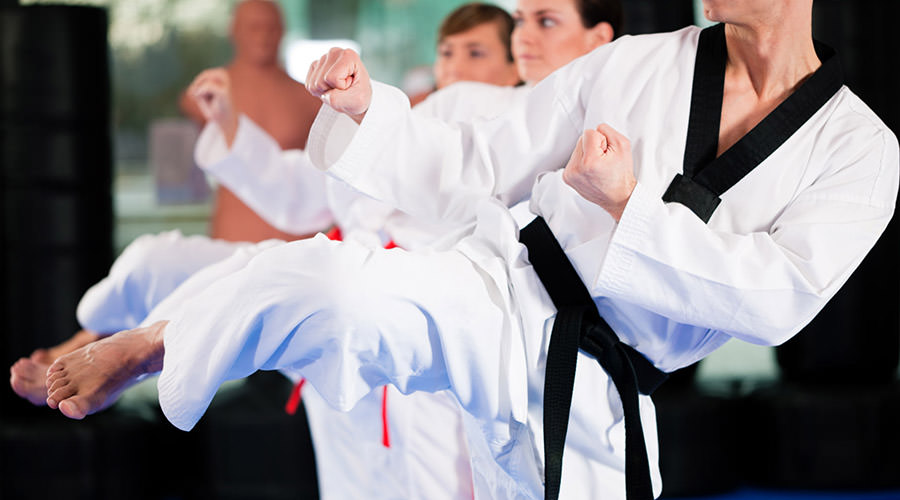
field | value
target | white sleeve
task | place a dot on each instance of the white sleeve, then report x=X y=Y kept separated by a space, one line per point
x=440 y=171
x=764 y=286
x=281 y=186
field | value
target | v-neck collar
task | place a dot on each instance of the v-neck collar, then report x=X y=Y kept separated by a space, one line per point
x=705 y=177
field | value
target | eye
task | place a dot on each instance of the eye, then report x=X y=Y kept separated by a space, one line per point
x=517 y=20
x=477 y=53
x=547 y=22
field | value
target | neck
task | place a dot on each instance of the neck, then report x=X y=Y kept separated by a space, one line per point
x=775 y=57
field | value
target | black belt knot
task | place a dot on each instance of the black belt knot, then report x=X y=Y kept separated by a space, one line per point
x=578 y=325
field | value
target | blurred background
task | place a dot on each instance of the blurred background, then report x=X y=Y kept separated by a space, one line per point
x=86 y=173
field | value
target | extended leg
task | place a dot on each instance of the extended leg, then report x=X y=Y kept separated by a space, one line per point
x=148 y=270
x=91 y=378
x=350 y=319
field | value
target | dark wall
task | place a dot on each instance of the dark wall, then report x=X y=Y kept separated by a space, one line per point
x=857 y=335
x=55 y=171
x=653 y=16
x=864 y=35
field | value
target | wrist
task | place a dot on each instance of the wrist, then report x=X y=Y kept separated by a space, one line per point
x=359 y=118
x=229 y=126
x=617 y=208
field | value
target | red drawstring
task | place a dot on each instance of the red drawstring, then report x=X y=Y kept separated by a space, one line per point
x=293 y=401
x=385 y=437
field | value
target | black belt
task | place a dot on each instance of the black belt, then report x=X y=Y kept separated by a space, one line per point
x=579 y=325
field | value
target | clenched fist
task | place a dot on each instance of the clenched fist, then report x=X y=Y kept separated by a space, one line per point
x=601 y=169
x=341 y=81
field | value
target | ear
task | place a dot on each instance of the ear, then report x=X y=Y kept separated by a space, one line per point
x=600 y=34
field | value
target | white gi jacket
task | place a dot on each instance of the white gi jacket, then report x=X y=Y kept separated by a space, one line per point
x=475 y=319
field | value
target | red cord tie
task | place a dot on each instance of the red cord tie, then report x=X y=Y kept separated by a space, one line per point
x=293 y=401
x=385 y=436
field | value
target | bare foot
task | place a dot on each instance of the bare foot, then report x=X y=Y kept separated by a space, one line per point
x=48 y=356
x=91 y=378
x=29 y=380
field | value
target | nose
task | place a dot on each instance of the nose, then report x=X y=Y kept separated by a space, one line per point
x=523 y=33
x=452 y=67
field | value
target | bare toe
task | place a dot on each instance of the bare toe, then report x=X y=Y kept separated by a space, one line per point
x=19 y=367
x=75 y=407
x=92 y=377
x=27 y=380
x=52 y=376
x=55 y=367
x=28 y=391
x=60 y=391
x=58 y=384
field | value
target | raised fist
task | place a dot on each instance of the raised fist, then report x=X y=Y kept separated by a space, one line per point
x=341 y=80
x=601 y=169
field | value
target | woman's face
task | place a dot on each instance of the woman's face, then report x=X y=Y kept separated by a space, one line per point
x=476 y=55
x=548 y=35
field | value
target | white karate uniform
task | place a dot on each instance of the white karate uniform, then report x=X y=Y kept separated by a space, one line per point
x=476 y=320
x=428 y=456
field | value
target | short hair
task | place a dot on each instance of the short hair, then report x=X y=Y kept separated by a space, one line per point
x=594 y=12
x=471 y=15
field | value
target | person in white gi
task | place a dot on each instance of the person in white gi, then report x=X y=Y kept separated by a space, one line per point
x=474 y=318
x=270 y=182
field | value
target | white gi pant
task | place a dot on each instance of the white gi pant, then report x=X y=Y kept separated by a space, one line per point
x=427 y=457
x=147 y=271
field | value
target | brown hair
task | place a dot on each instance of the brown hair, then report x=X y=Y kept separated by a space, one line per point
x=471 y=15
x=594 y=12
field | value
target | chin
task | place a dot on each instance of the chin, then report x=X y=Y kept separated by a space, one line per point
x=711 y=16
x=533 y=74
x=710 y=11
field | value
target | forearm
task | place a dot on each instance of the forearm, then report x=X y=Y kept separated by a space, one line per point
x=761 y=286
x=439 y=171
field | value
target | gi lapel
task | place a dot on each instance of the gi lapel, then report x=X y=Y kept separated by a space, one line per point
x=706 y=177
